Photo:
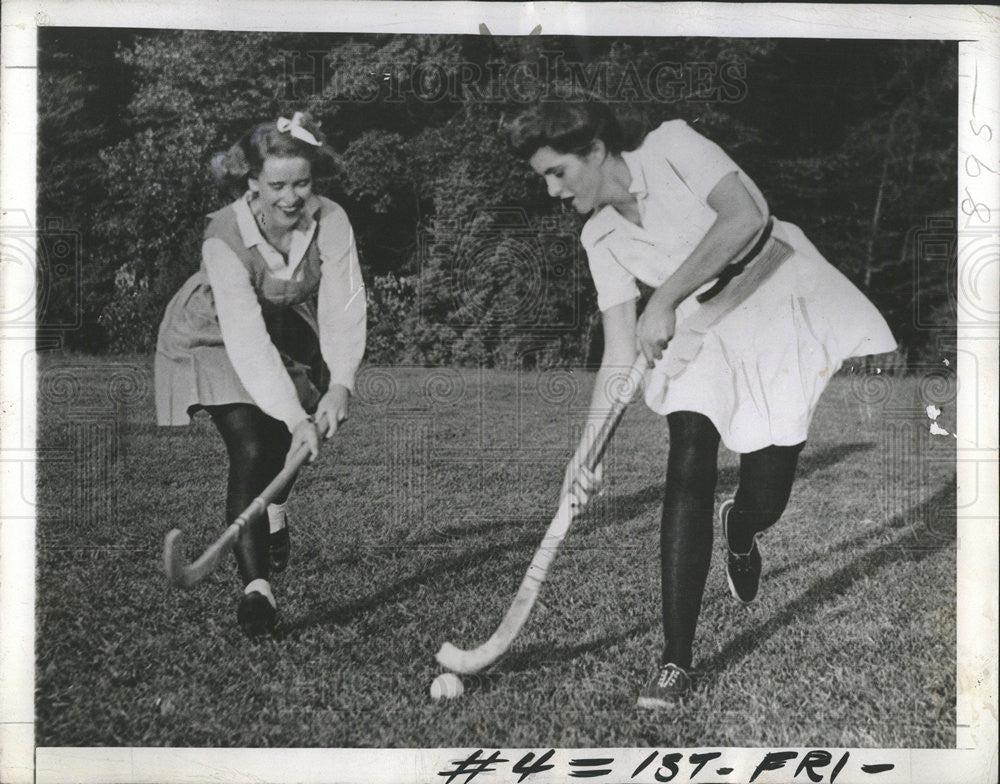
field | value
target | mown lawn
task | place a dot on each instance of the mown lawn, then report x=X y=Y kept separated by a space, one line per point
x=415 y=526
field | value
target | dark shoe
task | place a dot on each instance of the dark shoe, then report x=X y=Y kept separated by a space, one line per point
x=742 y=571
x=668 y=685
x=281 y=546
x=256 y=616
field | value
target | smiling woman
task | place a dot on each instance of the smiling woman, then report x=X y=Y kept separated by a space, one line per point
x=283 y=187
x=268 y=332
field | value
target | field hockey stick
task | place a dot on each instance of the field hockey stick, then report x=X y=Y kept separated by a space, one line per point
x=186 y=576
x=588 y=455
x=681 y=350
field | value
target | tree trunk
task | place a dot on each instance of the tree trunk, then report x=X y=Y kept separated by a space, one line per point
x=876 y=217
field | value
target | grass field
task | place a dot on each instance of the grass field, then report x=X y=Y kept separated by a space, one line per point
x=415 y=526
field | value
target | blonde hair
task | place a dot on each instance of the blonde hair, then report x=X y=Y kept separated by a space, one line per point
x=245 y=159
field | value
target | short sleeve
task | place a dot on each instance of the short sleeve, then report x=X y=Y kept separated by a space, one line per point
x=699 y=162
x=614 y=283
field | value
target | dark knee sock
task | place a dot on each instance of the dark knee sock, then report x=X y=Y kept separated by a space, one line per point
x=686 y=529
x=257 y=445
x=766 y=478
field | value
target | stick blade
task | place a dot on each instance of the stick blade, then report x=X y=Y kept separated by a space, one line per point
x=173 y=559
x=184 y=575
x=179 y=574
x=455 y=659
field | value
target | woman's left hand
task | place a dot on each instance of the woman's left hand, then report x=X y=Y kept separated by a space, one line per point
x=335 y=404
x=654 y=329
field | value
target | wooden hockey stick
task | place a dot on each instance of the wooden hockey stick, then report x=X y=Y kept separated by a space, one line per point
x=682 y=349
x=184 y=575
x=589 y=454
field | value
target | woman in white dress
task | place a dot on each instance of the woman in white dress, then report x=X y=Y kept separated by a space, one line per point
x=679 y=215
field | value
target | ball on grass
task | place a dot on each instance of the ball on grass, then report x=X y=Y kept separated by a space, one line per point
x=446 y=686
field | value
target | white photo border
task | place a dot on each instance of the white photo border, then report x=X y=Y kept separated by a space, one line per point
x=977 y=29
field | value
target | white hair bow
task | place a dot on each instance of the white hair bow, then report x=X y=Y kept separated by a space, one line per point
x=294 y=127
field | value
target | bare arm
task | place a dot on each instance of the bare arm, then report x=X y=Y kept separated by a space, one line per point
x=619 y=324
x=738 y=222
x=619 y=353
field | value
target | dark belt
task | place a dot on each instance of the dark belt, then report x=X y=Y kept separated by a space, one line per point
x=737 y=267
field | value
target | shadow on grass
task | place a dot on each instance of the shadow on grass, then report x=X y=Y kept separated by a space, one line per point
x=810 y=463
x=541 y=653
x=626 y=508
x=935 y=538
x=630 y=507
x=403 y=589
x=912 y=547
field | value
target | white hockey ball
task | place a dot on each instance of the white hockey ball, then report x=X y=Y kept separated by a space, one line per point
x=446 y=686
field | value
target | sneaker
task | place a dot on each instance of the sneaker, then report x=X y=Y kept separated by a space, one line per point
x=742 y=571
x=280 y=547
x=668 y=684
x=256 y=616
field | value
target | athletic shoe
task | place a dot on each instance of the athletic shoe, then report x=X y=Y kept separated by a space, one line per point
x=256 y=616
x=742 y=571
x=668 y=684
x=280 y=547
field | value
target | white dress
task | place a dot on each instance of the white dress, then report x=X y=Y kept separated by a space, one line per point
x=763 y=366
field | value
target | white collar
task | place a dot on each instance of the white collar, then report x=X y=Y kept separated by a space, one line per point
x=302 y=234
x=249 y=230
x=638 y=185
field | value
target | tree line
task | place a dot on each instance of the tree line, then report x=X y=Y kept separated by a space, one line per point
x=466 y=258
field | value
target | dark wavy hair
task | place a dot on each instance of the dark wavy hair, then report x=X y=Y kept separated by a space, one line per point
x=567 y=126
x=245 y=159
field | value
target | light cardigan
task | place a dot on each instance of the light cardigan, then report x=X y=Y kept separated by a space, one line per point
x=342 y=310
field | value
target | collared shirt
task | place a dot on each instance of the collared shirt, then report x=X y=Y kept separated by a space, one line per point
x=302 y=235
x=673 y=172
x=341 y=311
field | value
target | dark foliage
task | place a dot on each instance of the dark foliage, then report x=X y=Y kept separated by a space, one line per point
x=467 y=259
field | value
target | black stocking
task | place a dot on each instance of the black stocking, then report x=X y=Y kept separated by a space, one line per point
x=765 y=483
x=686 y=528
x=257 y=445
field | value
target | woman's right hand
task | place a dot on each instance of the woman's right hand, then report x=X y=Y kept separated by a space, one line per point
x=582 y=484
x=305 y=433
x=619 y=323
